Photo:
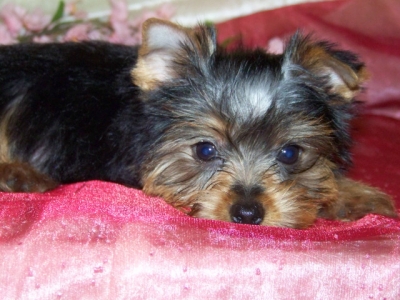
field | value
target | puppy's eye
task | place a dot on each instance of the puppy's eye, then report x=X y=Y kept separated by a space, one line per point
x=288 y=155
x=205 y=151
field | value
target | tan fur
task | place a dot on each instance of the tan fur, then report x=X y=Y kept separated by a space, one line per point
x=150 y=71
x=143 y=76
x=177 y=176
x=16 y=176
x=355 y=200
x=318 y=61
x=4 y=141
x=147 y=75
x=288 y=204
x=21 y=177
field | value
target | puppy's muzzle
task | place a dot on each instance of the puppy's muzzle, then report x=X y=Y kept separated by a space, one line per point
x=249 y=212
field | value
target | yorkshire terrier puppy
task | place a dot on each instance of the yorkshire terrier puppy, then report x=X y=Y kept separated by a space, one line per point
x=241 y=136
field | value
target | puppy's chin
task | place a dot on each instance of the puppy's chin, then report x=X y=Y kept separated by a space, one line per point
x=288 y=203
x=284 y=203
x=290 y=200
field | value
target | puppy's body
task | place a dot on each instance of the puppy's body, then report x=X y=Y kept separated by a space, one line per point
x=66 y=109
x=245 y=136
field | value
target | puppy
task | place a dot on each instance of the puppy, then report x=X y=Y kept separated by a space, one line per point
x=242 y=136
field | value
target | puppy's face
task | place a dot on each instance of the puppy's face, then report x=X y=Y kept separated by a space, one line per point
x=249 y=137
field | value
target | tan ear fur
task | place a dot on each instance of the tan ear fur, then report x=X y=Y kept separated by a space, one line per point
x=343 y=79
x=319 y=59
x=163 y=52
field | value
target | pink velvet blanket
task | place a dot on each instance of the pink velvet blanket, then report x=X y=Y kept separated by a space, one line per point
x=97 y=240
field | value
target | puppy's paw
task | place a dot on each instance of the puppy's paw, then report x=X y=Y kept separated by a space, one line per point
x=21 y=177
x=355 y=200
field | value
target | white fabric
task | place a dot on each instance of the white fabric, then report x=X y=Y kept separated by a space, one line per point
x=188 y=12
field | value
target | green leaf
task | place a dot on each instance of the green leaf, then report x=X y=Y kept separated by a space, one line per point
x=59 y=12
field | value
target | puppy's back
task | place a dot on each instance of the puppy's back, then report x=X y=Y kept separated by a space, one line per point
x=58 y=103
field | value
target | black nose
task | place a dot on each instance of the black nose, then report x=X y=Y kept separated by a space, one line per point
x=247 y=213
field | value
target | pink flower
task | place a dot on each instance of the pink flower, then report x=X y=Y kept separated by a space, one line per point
x=119 y=11
x=12 y=16
x=96 y=35
x=71 y=9
x=5 y=36
x=42 y=39
x=36 y=20
x=165 y=11
x=122 y=31
x=37 y=27
x=77 y=33
x=122 y=34
x=275 y=46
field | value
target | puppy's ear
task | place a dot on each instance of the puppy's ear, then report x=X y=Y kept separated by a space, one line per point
x=170 y=52
x=355 y=200
x=341 y=71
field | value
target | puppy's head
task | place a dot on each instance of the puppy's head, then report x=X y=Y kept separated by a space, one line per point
x=250 y=137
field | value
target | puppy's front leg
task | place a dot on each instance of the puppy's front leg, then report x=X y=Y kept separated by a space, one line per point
x=21 y=177
x=355 y=200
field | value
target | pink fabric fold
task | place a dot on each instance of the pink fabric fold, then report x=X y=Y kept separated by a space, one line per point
x=75 y=243
x=97 y=240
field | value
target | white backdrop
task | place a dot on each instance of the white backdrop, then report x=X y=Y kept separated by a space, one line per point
x=188 y=12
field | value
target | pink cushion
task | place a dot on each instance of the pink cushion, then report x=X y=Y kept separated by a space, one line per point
x=97 y=240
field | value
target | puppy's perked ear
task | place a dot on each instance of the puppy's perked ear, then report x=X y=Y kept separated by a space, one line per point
x=170 y=52
x=341 y=71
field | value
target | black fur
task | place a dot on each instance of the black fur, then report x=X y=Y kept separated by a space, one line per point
x=82 y=118
x=80 y=114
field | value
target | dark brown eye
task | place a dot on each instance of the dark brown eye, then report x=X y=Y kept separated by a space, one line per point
x=289 y=155
x=206 y=151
